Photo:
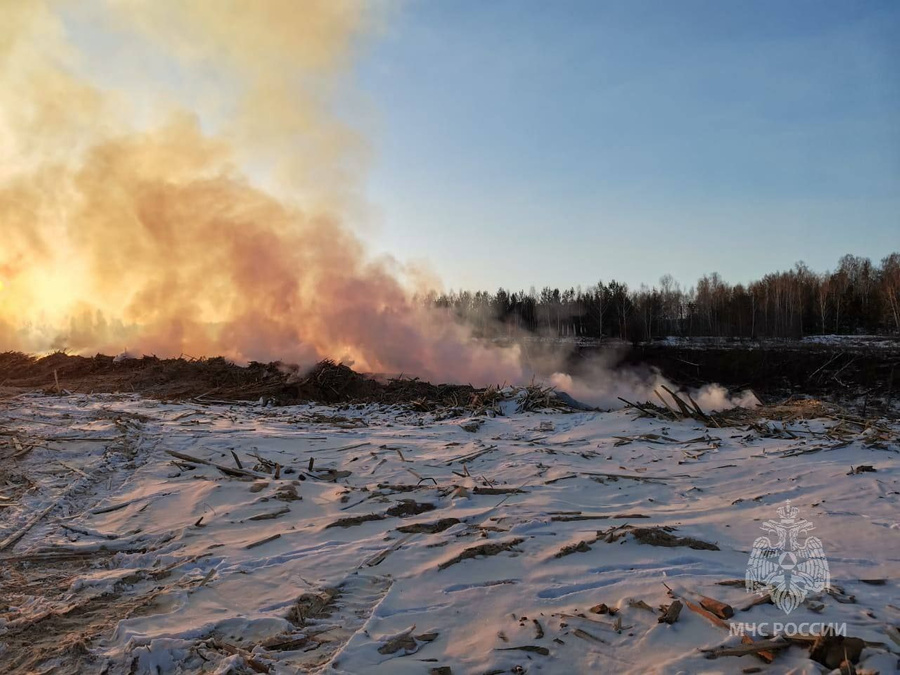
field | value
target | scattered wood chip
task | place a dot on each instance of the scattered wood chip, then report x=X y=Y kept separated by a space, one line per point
x=576 y=517
x=430 y=528
x=656 y=536
x=313 y=606
x=742 y=650
x=543 y=651
x=403 y=640
x=409 y=507
x=227 y=470
x=352 y=521
x=488 y=549
x=580 y=547
x=862 y=468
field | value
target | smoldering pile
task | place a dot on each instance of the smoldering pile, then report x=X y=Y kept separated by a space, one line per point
x=219 y=380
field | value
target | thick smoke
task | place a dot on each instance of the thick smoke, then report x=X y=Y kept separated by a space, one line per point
x=152 y=239
x=131 y=208
x=601 y=383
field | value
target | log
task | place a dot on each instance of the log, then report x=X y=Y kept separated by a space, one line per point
x=670 y=616
x=720 y=609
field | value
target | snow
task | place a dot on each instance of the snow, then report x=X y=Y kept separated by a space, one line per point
x=847 y=342
x=194 y=558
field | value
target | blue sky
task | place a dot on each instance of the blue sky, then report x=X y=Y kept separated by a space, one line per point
x=522 y=142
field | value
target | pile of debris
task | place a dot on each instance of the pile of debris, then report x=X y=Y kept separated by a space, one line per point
x=679 y=409
x=216 y=379
x=150 y=376
x=498 y=401
x=330 y=382
x=763 y=418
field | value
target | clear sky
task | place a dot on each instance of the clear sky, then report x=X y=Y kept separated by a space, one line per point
x=529 y=142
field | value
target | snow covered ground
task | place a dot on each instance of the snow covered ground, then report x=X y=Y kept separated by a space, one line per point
x=382 y=540
x=848 y=342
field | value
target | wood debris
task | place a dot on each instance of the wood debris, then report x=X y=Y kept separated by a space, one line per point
x=488 y=549
x=655 y=536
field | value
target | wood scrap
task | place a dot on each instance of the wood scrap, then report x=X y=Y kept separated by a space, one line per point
x=615 y=627
x=472 y=455
x=671 y=612
x=22 y=531
x=496 y=491
x=380 y=557
x=580 y=547
x=121 y=505
x=643 y=479
x=765 y=655
x=757 y=648
x=262 y=541
x=227 y=470
x=488 y=549
x=590 y=637
x=430 y=528
x=270 y=515
x=655 y=536
x=534 y=649
x=598 y=516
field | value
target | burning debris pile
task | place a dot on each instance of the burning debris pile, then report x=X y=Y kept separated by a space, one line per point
x=332 y=382
x=150 y=376
x=216 y=380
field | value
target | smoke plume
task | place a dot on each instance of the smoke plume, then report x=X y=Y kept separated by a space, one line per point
x=150 y=237
x=187 y=188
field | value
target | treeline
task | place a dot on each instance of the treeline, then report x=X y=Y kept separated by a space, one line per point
x=859 y=297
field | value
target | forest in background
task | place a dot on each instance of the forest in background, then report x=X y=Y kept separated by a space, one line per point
x=857 y=298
